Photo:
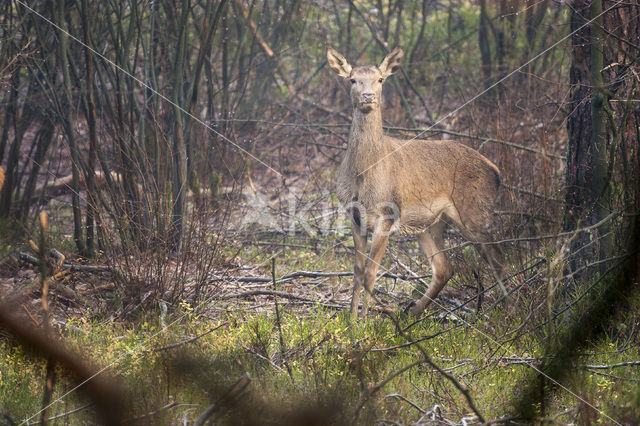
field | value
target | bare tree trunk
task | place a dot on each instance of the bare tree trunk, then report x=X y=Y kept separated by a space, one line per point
x=179 y=180
x=42 y=142
x=600 y=188
x=587 y=197
x=91 y=123
x=69 y=130
x=483 y=43
x=14 y=149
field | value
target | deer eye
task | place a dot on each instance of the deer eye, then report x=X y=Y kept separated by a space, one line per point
x=381 y=80
x=353 y=81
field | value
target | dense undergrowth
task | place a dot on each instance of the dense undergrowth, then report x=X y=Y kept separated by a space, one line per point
x=325 y=365
x=304 y=361
x=172 y=362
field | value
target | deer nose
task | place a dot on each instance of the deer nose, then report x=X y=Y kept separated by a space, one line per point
x=368 y=97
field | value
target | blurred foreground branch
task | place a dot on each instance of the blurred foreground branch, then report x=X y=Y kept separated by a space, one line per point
x=109 y=399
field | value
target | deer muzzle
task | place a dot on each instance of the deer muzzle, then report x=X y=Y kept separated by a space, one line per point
x=368 y=98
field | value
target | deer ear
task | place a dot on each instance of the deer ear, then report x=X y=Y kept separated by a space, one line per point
x=391 y=63
x=338 y=63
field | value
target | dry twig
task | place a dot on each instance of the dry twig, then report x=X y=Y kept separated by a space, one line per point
x=233 y=392
x=190 y=340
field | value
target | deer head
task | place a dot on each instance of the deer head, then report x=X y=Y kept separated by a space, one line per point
x=366 y=82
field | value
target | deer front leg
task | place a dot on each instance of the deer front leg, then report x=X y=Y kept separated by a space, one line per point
x=378 y=247
x=360 y=248
x=432 y=244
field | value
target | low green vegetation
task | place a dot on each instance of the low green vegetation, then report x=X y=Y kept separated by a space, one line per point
x=312 y=359
x=320 y=359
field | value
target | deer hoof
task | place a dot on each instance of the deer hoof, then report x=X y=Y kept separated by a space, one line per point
x=409 y=308
x=413 y=308
x=416 y=309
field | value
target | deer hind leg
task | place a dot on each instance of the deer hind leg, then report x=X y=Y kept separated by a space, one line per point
x=494 y=256
x=490 y=252
x=378 y=246
x=360 y=248
x=432 y=244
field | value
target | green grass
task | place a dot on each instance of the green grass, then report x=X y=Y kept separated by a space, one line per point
x=330 y=360
x=326 y=364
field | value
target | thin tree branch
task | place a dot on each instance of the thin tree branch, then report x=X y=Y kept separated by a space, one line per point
x=192 y=339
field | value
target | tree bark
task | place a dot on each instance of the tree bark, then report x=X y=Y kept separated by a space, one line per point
x=69 y=130
x=179 y=177
x=91 y=122
x=483 y=43
x=588 y=197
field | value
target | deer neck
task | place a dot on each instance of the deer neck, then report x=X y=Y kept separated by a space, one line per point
x=366 y=141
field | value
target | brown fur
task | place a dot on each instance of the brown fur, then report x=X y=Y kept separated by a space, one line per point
x=411 y=186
